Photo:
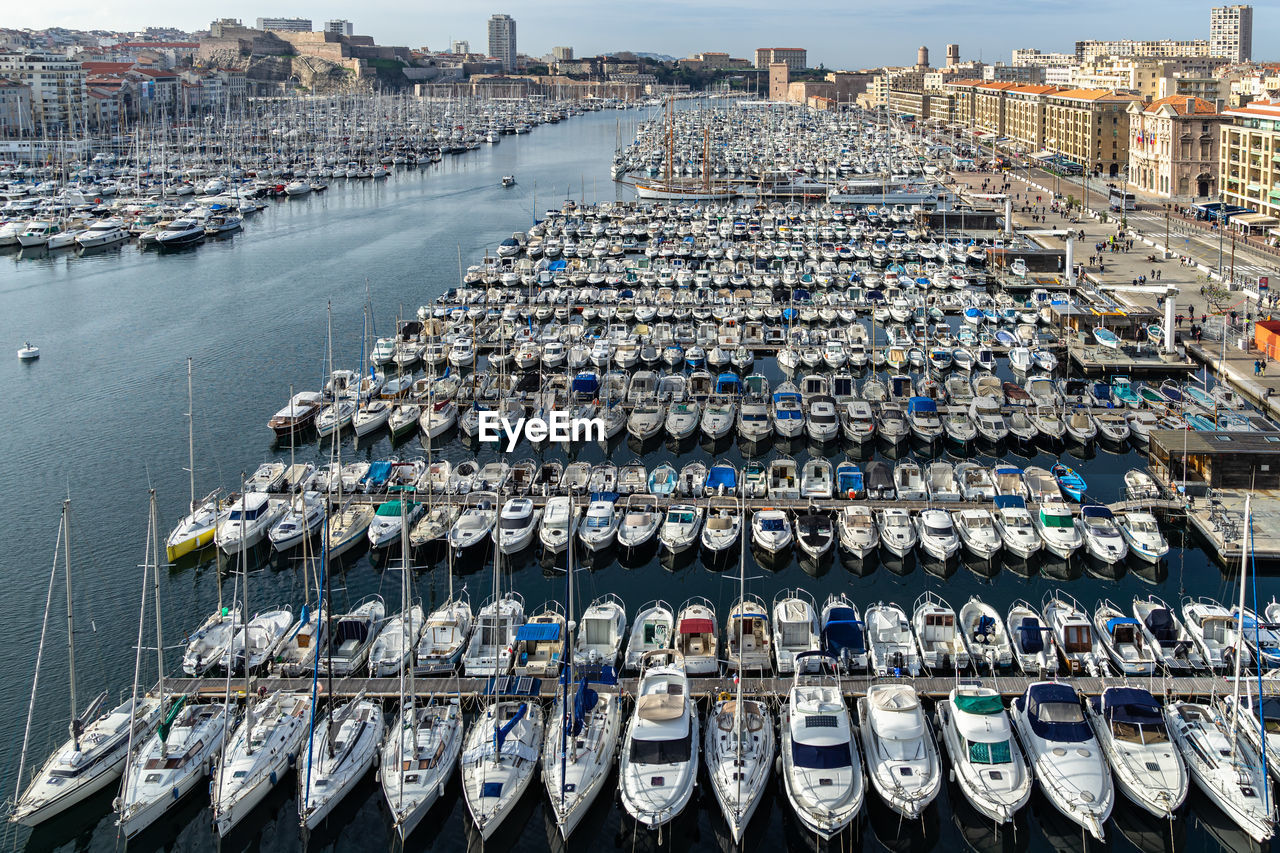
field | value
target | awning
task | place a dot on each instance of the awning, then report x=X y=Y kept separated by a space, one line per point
x=697 y=626
x=1254 y=219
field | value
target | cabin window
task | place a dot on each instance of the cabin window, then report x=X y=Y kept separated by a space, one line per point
x=990 y=753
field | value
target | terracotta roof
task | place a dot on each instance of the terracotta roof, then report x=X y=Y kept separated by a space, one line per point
x=1266 y=109
x=105 y=67
x=1096 y=95
x=155 y=72
x=1199 y=106
x=1035 y=90
x=996 y=85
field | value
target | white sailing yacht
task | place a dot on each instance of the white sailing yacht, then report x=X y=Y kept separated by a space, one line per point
x=663 y=733
x=739 y=741
x=196 y=529
x=93 y=757
x=582 y=735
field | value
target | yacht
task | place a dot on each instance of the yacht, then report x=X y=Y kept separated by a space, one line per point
x=418 y=758
x=395 y=644
x=247 y=521
x=1130 y=727
x=653 y=630
x=444 y=637
x=1102 y=537
x=351 y=637
x=890 y=642
x=739 y=749
x=1066 y=756
x=183 y=231
x=499 y=760
x=171 y=763
x=489 y=651
x=579 y=751
x=304 y=516
x=259 y=753
x=1166 y=636
x=1033 y=645
x=517 y=524
x=821 y=765
x=902 y=758
x=985 y=757
x=340 y=752
x=659 y=766
x=559 y=523
x=938 y=537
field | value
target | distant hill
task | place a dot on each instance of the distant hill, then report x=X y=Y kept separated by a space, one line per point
x=656 y=57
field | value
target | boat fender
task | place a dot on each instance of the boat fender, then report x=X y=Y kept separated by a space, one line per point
x=291 y=759
x=175 y=792
x=272 y=777
x=777 y=765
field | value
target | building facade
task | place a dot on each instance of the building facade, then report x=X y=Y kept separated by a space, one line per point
x=285 y=25
x=15 y=108
x=340 y=27
x=563 y=53
x=795 y=58
x=1231 y=32
x=502 y=40
x=1173 y=148
x=1090 y=127
x=1091 y=49
x=57 y=84
x=1249 y=157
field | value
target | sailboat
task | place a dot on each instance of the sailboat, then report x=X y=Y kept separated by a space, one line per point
x=94 y=756
x=196 y=529
x=342 y=744
x=739 y=741
x=264 y=745
x=500 y=755
x=582 y=738
x=422 y=745
x=173 y=761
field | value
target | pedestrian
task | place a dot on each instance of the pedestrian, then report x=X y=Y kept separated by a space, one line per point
x=1158 y=274
x=1179 y=320
x=1257 y=367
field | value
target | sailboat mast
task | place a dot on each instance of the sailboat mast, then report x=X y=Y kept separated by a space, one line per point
x=409 y=715
x=154 y=543
x=71 y=626
x=1239 y=651
x=191 y=440
x=244 y=644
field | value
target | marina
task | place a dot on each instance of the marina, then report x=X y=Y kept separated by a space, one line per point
x=785 y=422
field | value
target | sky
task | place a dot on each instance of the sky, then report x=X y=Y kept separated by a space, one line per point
x=837 y=33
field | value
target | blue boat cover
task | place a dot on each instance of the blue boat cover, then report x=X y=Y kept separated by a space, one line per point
x=921 y=404
x=538 y=632
x=722 y=475
x=586 y=383
x=842 y=631
x=728 y=383
x=1131 y=705
x=1095 y=511
x=1117 y=621
x=379 y=471
x=1031 y=629
x=1010 y=501
x=1044 y=709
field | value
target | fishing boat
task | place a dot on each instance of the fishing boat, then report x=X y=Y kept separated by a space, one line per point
x=663 y=733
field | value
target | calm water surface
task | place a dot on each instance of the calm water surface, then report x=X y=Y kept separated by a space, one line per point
x=100 y=418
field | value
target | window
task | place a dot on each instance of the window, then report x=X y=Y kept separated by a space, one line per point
x=990 y=753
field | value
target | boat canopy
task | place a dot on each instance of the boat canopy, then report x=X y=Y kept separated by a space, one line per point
x=391 y=509
x=538 y=632
x=722 y=475
x=843 y=630
x=697 y=626
x=985 y=705
x=1054 y=713
x=921 y=404
x=1118 y=621
x=728 y=383
x=1010 y=502
x=1131 y=705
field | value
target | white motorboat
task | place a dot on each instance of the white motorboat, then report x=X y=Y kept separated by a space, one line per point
x=662 y=735
x=1142 y=533
x=600 y=632
x=210 y=641
x=984 y=635
x=351 y=637
x=902 y=758
x=856 y=531
x=559 y=523
x=489 y=651
x=304 y=516
x=795 y=628
x=821 y=765
x=517 y=524
x=640 y=522
x=1124 y=640
x=599 y=527
x=1166 y=636
x=942 y=648
x=653 y=630
x=1014 y=524
x=394 y=646
x=771 y=530
x=681 y=528
x=1102 y=537
x=747 y=639
x=938 y=537
x=1073 y=635
x=343 y=747
x=695 y=637
x=978 y=532
x=1033 y=645
x=444 y=637
x=721 y=530
x=1056 y=525
x=475 y=523
x=1130 y=727
x=170 y=764
x=258 y=755
x=1065 y=754
x=1214 y=629
x=897 y=531
x=247 y=521
x=985 y=757
x=890 y=642
x=254 y=646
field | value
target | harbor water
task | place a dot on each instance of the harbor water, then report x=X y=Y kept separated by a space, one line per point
x=100 y=418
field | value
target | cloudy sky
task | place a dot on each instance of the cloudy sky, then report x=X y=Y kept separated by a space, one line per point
x=837 y=33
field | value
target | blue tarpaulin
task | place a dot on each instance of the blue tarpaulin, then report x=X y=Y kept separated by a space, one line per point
x=538 y=632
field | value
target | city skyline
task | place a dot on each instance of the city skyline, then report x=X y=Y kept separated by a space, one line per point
x=886 y=34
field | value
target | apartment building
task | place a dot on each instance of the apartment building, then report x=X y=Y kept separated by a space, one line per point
x=795 y=58
x=1249 y=157
x=1231 y=32
x=1090 y=127
x=58 y=95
